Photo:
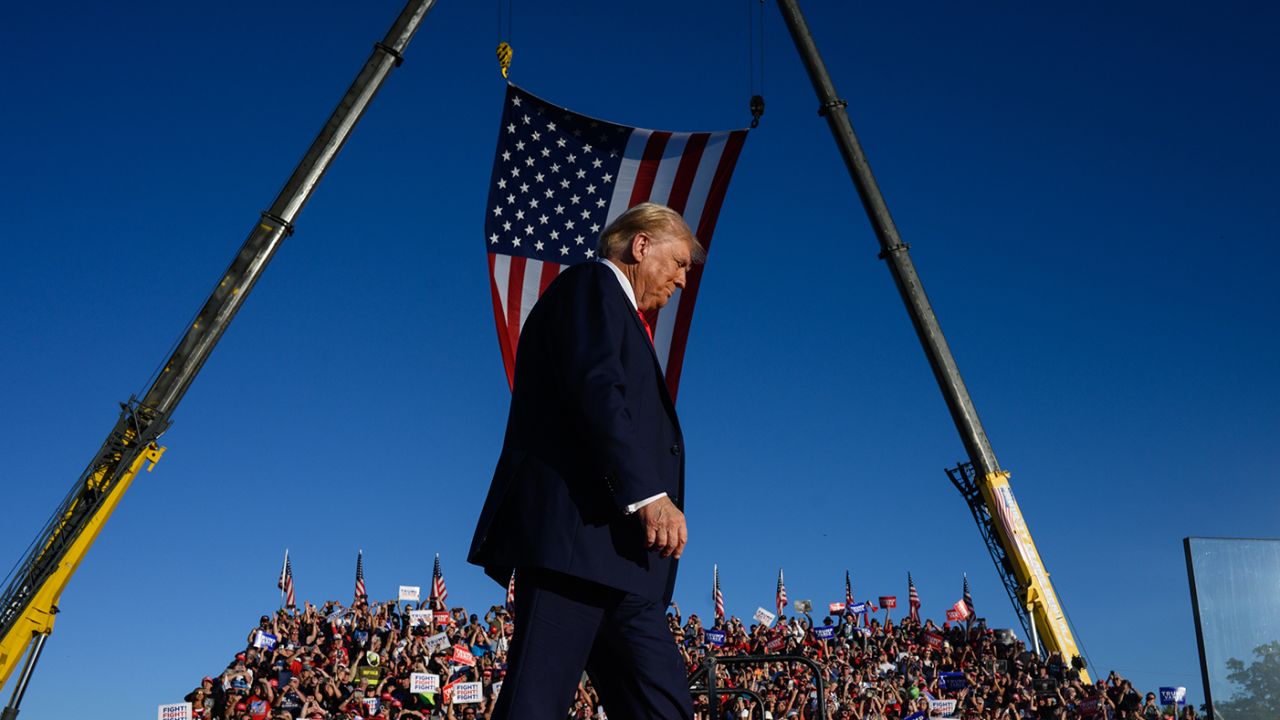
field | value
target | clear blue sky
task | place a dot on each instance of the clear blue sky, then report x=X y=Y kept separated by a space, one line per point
x=1089 y=191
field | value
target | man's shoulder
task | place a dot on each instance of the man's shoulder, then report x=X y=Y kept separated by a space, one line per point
x=589 y=276
x=588 y=271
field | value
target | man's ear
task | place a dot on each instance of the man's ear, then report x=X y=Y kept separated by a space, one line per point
x=639 y=246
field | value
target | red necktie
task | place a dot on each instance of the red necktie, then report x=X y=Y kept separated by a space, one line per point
x=647 y=328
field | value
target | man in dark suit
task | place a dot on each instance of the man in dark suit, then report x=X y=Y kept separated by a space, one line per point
x=586 y=503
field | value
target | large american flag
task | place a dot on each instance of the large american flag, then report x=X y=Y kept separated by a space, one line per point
x=286 y=582
x=560 y=178
x=716 y=596
x=780 y=598
x=913 y=599
x=360 y=593
x=438 y=592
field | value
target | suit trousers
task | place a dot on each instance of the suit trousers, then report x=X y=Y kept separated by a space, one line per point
x=564 y=625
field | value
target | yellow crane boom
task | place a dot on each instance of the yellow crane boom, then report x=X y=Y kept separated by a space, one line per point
x=30 y=597
x=982 y=481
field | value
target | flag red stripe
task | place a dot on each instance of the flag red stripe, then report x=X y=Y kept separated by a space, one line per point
x=681 y=185
x=706 y=226
x=686 y=171
x=515 y=289
x=549 y=272
x=647 y=171
x=504 y=341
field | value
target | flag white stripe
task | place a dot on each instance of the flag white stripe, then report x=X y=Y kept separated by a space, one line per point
x=707 y=167
x=530 y=288
x=626 y=180
x=665 y=178
x=501 y=278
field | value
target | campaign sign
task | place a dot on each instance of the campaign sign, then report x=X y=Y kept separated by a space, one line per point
x=437 y=642
x=462 y=655
x=410 y=592
x=468 y=692
x=764 y=617
x=775 y=644
x=914 y=716
x=424 y=683
x=419 y=617
x=1173 y=696
x=371 y=705
x=175 y=711
x=265 y=640
x=953 y=615
x=859 y=608
x=440 y=618
x=888 y=602
x=952 y=681
x=1088 y=708
x=824 y=632
x=933 y=640
x=496 y=688
x=835 y=608
x=941 y=708
x=714 y=637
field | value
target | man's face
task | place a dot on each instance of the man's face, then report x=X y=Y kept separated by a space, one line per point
x=663 y=259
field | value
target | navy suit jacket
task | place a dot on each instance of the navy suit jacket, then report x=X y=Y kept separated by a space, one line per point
x=592 y=429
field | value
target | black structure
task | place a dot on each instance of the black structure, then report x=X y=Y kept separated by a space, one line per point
x=702 y=681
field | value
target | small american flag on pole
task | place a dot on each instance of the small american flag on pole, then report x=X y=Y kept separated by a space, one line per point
x=286 y=582
x=848 y=591
x=438 y=592
x=511 y=595
x=360 y=593
x=716 y=596
x=913 y=599
x=780 y=598
x=559 y=178
x=967 y=598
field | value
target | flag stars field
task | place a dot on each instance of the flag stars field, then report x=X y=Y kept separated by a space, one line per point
x=595 y=170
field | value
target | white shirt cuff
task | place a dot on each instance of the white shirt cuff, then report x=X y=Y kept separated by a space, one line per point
x=637 y=505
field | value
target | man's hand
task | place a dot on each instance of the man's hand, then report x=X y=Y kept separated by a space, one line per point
x=664 y=528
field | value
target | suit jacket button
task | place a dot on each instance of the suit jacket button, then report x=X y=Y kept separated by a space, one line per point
x=675 y=449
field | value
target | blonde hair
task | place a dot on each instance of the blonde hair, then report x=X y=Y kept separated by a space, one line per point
x=645 y=218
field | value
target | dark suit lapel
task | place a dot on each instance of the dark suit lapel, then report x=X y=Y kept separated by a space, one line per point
x=653 y=351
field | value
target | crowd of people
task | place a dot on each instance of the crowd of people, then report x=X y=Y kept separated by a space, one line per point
x=362 y=662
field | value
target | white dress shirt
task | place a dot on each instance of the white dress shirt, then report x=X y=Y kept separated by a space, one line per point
x=631 y=295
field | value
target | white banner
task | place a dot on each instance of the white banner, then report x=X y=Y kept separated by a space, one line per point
x=410 y=592
x=419 y=617
x=468 y=692
x=764 y=617
x=424 y=683
x=438 y=642
x=941 y=708
x=175 y=711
